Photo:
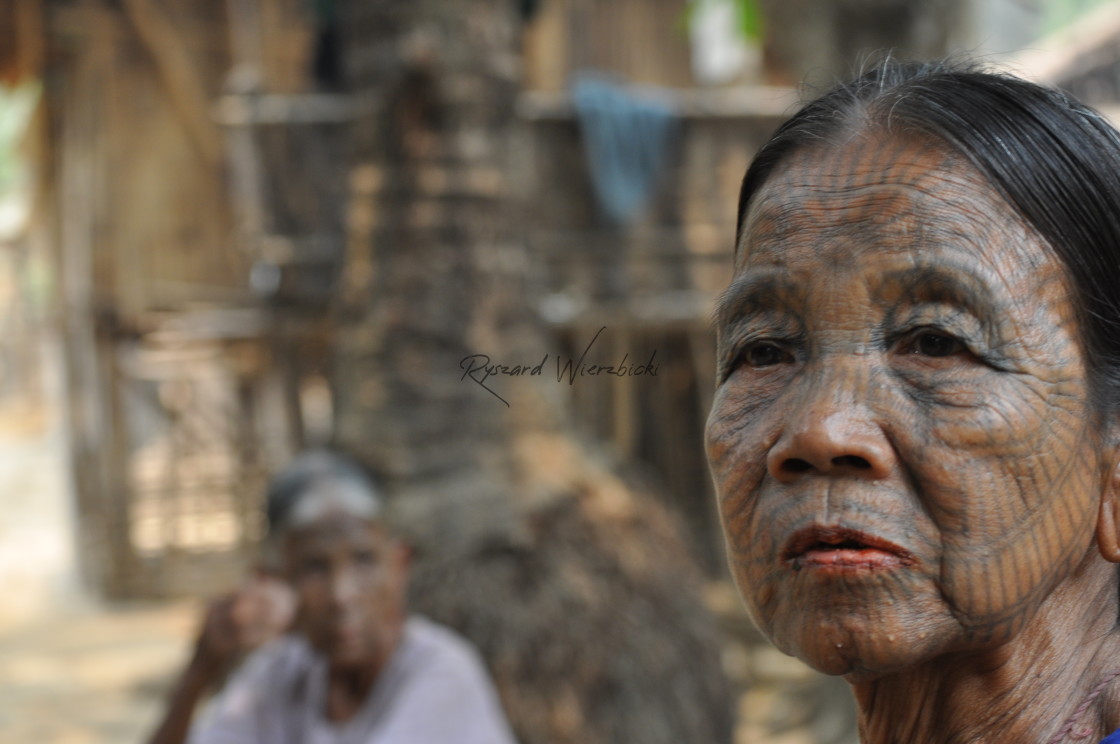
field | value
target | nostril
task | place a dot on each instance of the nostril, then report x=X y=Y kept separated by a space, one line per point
x=852 y=461
x=796 y=465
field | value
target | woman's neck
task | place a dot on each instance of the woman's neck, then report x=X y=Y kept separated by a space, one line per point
x=1023 y=691
x=348 y=685
x=347 y=690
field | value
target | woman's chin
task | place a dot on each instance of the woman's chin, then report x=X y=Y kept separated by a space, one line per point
x=855 y=629
x=859 y=652
x=855 y=661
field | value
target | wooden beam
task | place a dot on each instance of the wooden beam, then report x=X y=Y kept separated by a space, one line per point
x=188 y=95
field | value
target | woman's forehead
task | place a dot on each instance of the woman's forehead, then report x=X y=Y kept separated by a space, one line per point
x=876 y=191
x=869 y=157
x=337 y=528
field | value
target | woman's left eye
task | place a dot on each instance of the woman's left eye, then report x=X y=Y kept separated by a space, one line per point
x=934 y=344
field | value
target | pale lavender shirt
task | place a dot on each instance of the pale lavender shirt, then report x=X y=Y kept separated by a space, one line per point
x=434 y=690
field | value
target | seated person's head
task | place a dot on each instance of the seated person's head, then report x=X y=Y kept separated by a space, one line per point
x=348 y=571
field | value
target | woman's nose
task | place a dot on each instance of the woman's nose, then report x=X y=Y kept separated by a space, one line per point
x=831 y=438
x=344 y=587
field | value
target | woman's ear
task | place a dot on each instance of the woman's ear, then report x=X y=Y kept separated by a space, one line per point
x=1108 y=520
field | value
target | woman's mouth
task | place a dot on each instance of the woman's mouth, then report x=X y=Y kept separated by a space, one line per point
x=842 y=549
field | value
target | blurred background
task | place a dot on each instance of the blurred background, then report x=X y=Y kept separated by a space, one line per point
x=233 y=229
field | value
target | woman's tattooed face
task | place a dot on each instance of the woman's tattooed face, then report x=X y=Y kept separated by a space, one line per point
x=901 y=440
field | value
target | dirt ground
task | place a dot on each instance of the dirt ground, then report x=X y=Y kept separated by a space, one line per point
x=72 y=670
x=90 y=676
x=98 y=675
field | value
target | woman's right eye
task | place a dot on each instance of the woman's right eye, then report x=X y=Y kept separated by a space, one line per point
x=933 y=344
x=764 y=354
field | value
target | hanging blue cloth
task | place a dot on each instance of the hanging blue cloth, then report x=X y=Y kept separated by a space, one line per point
x=626 y=141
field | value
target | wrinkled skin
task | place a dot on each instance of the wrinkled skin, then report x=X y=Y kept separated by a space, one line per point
x=899 y=358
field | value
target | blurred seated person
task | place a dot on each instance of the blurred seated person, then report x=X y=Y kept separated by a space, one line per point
x=335 y=657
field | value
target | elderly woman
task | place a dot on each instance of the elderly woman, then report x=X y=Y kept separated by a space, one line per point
x=916 y=433
x=351 y=665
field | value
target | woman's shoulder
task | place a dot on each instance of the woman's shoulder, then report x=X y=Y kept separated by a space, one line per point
x=436 y=660
x=428 y=643
x=437 y=669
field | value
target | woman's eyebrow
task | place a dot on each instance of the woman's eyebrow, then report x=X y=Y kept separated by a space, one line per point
x=751 y=291
x=934 y=283
x=955 y=285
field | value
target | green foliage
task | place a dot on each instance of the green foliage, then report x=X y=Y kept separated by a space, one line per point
x=750 y=20
x=747 y=13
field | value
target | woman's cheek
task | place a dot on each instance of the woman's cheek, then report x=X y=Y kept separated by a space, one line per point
x=742 y=428
x=743 y=405
x=740 y=432
x=1005 y=484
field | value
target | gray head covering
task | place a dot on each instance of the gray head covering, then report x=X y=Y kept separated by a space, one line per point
x=315 y=481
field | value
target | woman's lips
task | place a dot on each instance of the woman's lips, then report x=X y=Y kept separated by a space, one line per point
x=843 y=549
